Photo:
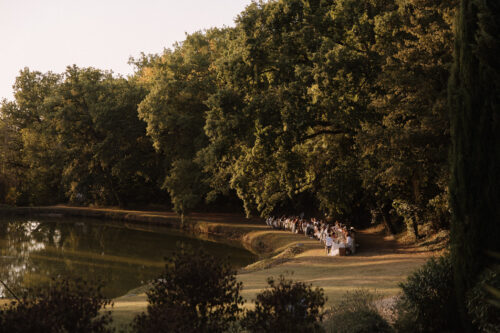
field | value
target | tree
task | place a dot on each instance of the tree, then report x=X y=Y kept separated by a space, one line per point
x=78 y=137
x=404 y=145
x=474 y=94
x=427 y=303
x=179 y=82
x=357 y=313
x=29 y=117
x=286 y=307
x=66 y=306
x=269 y=114
x=108 y=157
x=195 y=293
x=12 y=168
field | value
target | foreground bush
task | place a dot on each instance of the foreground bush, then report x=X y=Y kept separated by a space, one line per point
x=286 y=306
x=65 y=306
x=483 y=307
x=357 y=313
x=196 y=293
x=428 y=301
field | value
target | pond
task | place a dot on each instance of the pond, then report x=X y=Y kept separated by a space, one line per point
x=34 y=250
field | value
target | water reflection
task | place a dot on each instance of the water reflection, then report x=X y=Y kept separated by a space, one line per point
x=33 y=251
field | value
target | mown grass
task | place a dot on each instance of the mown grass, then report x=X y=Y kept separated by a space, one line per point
x=337 y=275
x=378 y=267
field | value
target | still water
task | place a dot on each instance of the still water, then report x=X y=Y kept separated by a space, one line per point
x=124 y=256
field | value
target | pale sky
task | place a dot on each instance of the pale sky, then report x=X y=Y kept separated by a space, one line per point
x=48 y=35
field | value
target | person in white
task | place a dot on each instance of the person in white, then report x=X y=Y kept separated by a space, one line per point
x=328 y=243
x=350 y=244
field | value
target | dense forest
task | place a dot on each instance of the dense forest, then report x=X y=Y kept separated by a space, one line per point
x=323 y=107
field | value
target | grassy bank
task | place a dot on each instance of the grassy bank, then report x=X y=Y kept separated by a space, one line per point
x=380 y=264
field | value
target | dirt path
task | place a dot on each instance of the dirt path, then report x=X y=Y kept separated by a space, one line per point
x=380 y=264
x=375 y=242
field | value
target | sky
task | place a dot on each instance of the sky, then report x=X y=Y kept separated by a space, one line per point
x=48 y=35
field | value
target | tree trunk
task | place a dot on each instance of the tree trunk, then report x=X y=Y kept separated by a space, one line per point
x=386 y=219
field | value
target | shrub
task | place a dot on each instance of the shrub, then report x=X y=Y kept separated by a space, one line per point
x=428 y=301
x=195 y=293
x=65 y=306
x=357 y=313
x=483 y=311
x=286 y=306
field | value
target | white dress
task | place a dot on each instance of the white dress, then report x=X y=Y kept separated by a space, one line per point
x=335 y=248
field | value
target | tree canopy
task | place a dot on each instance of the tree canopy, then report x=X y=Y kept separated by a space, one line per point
x=323 y=107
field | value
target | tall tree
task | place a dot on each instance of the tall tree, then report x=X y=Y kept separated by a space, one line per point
x=474 y=96
x=404 y=146
x=108 y=157
x=78 y=137
x=30 y=117
x=12 y=167
x=277 y=133
x=179 y=82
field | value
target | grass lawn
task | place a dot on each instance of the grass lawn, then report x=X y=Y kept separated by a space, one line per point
x=379 y=265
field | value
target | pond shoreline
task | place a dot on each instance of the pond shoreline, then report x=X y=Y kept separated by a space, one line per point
x=95 y=213
x=380 y=264
x=232 y=227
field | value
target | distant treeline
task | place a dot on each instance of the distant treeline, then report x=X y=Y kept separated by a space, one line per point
x=335 y=107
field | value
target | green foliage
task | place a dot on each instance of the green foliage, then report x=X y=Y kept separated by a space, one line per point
x=405 y=143
x=474 y=99
x=481 y=306
x=38 y=163
x=337 y=101
x=286 y=306
x=410 y=214
x=356 y=313
x=428 y=302
x=10 y=157
x=66 y=306
x=102 y=165
x=12 y=196
x=195 y=293
x=78 y=137
x=337 y=107
x=179 y=83
x=270 y=137
x=185 y=185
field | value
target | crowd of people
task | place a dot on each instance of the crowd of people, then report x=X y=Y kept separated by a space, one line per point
x=337 y=238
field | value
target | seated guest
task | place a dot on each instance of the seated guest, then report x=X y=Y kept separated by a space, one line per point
x=337 y=245
x=310 y=231
x=317 y=232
